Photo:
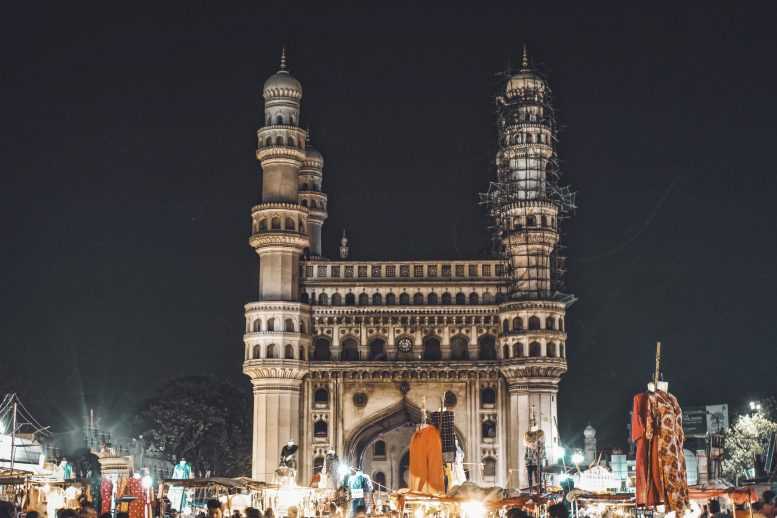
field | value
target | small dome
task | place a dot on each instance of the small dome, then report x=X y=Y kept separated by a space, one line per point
x=527 y=78
x=312 y=153
x=282 y=83
x=313 y=157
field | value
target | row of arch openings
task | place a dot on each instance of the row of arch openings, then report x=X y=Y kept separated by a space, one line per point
x=288 y=326
x=553 y=350
x=273 y=352
x=404 y=299
x=431 y=349
x=275 y=224
x=534 y=324
x=280 y=141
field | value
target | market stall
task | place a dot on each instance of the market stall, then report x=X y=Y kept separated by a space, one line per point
x=233 y=494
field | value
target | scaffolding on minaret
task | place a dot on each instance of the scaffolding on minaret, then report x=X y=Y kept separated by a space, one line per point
x=527 y=202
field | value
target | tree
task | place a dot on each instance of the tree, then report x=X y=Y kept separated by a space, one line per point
x=202 y=419
x=744 y=444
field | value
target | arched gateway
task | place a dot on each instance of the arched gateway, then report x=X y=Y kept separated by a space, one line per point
x=380 y=443
x=342 y=353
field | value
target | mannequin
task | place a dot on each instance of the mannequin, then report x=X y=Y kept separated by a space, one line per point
x=329 y=471
x=66 y=469
x=287 y=455
x=359 y=485
x=534 y=441
x=426 y=463
x=177 y=495
x=459 y=477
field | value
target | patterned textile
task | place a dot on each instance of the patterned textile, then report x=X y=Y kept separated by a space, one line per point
x=426 y=473
x=649 y=485
x=665 y=426
x=136 y=507
x=106 y=491
x=444 y=423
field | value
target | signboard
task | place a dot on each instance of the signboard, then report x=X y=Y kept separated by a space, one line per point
x=695 y=421
x=698 y=421
x=717 y=418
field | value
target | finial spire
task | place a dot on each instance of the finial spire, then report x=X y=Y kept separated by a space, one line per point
x=283 y=58
x=525 y=58
x=344 y=248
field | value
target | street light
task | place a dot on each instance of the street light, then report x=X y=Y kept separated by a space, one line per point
x=755 y=406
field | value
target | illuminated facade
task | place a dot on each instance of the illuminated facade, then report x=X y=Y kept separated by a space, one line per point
x=343 y=354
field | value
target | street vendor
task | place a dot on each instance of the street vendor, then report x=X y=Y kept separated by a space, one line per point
x=359 y=486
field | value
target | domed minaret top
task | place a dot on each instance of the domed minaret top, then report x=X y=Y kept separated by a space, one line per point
x=526 y=78
x=282 y=84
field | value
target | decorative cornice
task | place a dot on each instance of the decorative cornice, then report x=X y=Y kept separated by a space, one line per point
x=290 y=155
x=260 y=371
x=277 y=306
x=271 y=239
x=527 y=336
x=527 y=305
x=530 y=236
x=522 y=369
x=275 y=206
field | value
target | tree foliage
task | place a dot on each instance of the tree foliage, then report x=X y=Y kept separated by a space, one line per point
x=744 y=444
x=204 y=420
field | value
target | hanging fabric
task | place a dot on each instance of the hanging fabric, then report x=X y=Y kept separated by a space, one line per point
x=106 y=495
x=426 y=471
x=665 y=427
x=444 y=423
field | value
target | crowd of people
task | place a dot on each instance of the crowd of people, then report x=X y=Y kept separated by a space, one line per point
x=765 y=507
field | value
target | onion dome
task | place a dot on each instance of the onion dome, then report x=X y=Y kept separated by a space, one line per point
x=527 y=78
x=313 y=157
x=282 y=83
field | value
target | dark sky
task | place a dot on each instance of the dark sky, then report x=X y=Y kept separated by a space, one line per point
x=128 y=136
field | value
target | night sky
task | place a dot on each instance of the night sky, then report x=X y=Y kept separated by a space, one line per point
x=128 y=168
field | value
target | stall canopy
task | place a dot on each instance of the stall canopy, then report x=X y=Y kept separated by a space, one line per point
x=722 y=489
x=222 y=482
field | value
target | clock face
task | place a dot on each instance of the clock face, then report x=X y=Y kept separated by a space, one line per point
x=405 y=345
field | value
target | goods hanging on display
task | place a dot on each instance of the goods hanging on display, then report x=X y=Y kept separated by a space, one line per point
x=426 y=468
x=657 y=431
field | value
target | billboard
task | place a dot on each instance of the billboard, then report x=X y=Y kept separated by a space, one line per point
x=698 y=421
x=717 y=418
x=695 y=421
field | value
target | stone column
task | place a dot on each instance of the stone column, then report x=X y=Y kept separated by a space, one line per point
x=277 y=398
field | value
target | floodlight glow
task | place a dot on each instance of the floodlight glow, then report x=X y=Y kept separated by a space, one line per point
x=473 y=509
x=343 y=470
x=577 y=458
x=559 y=452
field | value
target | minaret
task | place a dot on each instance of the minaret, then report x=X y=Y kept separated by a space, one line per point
x=311 y=195
x=526 y=202
x=589 y=444
x=344 y=248
x=277 y=325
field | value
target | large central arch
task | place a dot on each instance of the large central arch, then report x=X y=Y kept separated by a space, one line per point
x=401 y=413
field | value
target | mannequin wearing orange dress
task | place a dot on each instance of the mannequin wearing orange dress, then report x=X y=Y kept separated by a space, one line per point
x=426 y=467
